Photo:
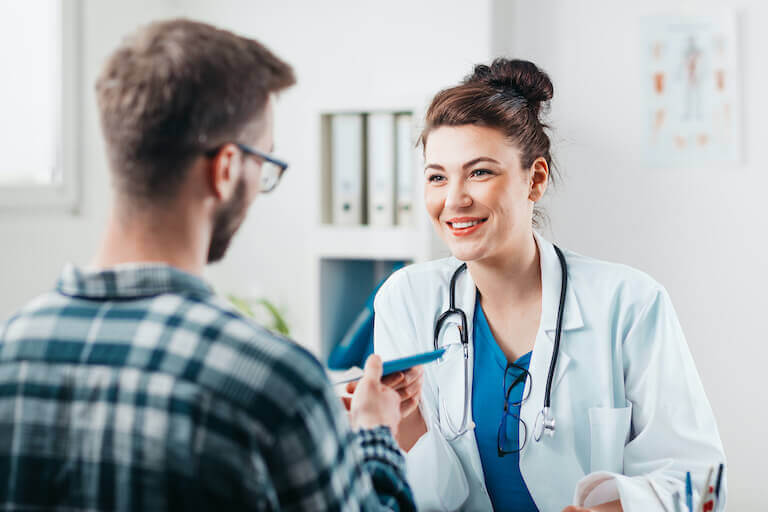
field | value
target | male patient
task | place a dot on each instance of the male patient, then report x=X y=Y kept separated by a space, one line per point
x=131 y=386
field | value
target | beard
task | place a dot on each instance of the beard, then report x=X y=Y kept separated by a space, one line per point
x=226 y=221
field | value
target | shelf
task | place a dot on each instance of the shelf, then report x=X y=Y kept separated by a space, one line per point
x=368 y=242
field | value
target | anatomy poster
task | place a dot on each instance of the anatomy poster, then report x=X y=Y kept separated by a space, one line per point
x=692 y=90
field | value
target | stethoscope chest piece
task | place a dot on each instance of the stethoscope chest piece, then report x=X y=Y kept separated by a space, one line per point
x=545 y=423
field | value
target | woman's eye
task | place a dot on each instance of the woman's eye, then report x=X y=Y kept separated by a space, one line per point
x=435 y=178
x=481 y=172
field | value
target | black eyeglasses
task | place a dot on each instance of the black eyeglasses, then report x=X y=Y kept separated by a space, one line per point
x=272 y=168
x=509 y=430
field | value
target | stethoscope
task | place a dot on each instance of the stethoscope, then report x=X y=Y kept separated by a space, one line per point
x=545 y=420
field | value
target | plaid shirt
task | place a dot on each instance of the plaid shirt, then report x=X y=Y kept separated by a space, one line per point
x=136 y=388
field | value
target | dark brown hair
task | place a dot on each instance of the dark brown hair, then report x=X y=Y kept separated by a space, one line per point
x=508 y=95
x=175 y=89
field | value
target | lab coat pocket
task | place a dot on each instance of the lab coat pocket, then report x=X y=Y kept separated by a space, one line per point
x=435 y=474
x=609 y=433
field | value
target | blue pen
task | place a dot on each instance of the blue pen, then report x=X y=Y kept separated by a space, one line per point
x=688 y=491
x=717 y=485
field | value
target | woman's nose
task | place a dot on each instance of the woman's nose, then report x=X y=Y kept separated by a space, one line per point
x=458 y=195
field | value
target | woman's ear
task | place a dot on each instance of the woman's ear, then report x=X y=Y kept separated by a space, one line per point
x=539 y=179
x=224 y=171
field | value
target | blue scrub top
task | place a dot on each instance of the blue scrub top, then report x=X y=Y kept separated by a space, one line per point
x=503 y=479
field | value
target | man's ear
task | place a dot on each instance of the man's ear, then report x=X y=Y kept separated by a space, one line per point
x=539 y=179
x=225 y=171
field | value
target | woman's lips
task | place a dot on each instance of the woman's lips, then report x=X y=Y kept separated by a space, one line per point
x=465 y=226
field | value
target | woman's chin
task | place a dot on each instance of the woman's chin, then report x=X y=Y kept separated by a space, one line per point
x=463 y=253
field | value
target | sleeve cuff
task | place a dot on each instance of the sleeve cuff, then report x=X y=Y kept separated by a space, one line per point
x=596 y=489
x=637 y=494
x=379 y=444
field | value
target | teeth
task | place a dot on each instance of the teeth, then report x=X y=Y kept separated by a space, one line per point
x=462 y=225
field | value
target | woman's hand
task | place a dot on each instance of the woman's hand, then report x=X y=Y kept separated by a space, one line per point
x=613 y=506
x=408 y=385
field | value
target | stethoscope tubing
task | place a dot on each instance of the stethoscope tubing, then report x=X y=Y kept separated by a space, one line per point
x=548 y=422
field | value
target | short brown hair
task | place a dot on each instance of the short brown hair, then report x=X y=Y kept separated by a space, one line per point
x=174 y=89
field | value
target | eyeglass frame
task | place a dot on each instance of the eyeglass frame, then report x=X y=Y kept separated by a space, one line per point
x=248 y=150
x=527 y=380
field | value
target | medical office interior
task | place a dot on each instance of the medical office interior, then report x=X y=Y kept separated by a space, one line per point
x=687 y=208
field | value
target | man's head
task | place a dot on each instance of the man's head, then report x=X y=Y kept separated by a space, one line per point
x=173 y=92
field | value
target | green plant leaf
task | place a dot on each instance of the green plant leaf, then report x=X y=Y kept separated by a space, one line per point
x=279 y=322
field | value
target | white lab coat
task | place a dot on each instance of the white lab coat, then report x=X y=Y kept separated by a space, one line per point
x=630 y=410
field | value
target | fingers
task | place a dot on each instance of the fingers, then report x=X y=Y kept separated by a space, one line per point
x=393 y=379
x=408 y=407
x=401 y=379
x=411 y=389
x=373 y=368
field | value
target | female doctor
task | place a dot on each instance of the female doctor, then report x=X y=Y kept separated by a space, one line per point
x=567 y=380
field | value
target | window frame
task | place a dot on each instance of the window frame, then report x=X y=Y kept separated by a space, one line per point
x=64 y=195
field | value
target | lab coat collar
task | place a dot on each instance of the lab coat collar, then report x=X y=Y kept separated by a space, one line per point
x=551 y=279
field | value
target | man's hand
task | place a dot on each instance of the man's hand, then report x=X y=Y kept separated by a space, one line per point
x=373 y=403
x=408 y=385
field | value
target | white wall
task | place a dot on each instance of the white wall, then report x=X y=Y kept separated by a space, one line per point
x=34 y=245
x=701 y=231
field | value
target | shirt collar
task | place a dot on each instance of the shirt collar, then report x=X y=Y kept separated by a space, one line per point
x=551 y=279
x=129 y=281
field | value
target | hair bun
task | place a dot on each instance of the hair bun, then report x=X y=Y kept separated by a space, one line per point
x=520 y=76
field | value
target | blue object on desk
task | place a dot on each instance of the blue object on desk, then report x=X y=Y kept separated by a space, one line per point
x=357 y=343
x=688 y=492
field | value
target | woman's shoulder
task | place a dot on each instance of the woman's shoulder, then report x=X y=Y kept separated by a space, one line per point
x=611 y=279
x=419 y=277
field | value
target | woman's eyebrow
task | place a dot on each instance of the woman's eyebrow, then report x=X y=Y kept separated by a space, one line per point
x=466 y=165
x=478 y=160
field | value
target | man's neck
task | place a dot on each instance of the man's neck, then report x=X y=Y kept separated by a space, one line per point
x=154 y=235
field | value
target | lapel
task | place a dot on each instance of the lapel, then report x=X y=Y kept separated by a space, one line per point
x=465 y=445
x=465 y=301
x=551 y=281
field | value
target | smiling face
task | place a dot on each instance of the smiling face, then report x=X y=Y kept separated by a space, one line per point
x=477 y=194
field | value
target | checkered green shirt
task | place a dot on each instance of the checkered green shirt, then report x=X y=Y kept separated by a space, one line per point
x=136 y=388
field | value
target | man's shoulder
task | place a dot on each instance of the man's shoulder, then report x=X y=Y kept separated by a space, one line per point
x=49 y=304
x=199 y=339
x=248 y=361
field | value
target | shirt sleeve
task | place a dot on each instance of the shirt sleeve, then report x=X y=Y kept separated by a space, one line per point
x=319 y=463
